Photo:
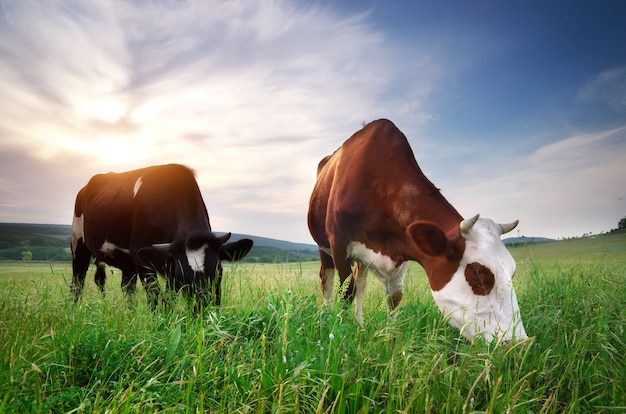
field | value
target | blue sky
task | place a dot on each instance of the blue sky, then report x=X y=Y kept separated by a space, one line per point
x=513 y=110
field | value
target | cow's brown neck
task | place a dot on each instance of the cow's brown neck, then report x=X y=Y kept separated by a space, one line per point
x=415 y=198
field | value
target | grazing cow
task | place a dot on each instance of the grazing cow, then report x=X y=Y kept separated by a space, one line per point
x=148 y=221
x=373 y=205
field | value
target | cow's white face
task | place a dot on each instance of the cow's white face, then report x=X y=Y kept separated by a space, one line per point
x=479 y=298
x=194 y=265
x=195 y=258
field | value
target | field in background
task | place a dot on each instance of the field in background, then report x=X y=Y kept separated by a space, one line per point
x=274 y=347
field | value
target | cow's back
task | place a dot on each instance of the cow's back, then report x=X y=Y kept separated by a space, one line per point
x=141 y=207
x=168 y=205
x=105 y=207
x=365 y=187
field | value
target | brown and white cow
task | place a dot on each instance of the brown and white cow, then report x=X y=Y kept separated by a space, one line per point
x=373 y=205
x=148 y=221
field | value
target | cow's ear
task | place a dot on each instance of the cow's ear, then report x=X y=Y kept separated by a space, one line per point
x=153 y=258
x=428 y=238
x=235 y=251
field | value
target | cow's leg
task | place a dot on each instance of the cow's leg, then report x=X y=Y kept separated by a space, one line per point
x=393 y=287
x=344 y=268
x=129 y=284
x=100 y=276
x=81 y=257
x=327 y=276
x=360 y=277
x=216 y=292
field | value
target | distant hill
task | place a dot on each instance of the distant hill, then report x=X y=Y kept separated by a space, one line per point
x=266 y=250
x=602 y=248
x=57 y=230
x=267 y=242
x=51 y=242
x=37 y=241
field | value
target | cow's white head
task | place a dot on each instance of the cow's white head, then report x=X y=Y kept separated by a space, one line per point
x=470 y=273
x=479 y=298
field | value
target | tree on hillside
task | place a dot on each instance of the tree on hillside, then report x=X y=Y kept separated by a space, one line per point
x=26 y=253
x=622 y=224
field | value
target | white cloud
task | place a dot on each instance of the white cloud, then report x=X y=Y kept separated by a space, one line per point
x=609 y=87
x=574 y=185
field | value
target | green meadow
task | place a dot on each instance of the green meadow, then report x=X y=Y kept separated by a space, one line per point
x=275 y=347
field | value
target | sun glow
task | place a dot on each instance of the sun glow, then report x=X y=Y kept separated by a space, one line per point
x=117 y=150
x=107 y=109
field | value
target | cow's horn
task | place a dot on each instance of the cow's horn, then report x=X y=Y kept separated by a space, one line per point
x=224 y=237
x=467 y=224
x=165 y=247
x=508 y=227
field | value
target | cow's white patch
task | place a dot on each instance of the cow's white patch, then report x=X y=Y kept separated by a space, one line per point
x=108 y=248
x=78 y=232
x=388 y=272
x=377 y=261
x=195 y=258
x=137 y=186
x=495 y=315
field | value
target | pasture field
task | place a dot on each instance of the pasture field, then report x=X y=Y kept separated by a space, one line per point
x=274 y=347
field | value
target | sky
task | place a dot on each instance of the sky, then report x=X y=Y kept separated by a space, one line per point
x=516 y=110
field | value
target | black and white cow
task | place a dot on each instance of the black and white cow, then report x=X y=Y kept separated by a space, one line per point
x=146 y=222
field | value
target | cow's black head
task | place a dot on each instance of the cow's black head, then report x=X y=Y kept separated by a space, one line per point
x=194 y=265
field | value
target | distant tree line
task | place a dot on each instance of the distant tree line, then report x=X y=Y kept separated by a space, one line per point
x=49 y=253
x=524 y=241
x=21 y=246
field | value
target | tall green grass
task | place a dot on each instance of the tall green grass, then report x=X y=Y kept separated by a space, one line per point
x=274 y=347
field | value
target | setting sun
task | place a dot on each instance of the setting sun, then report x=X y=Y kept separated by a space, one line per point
x=107 y=109
x=117 y=150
